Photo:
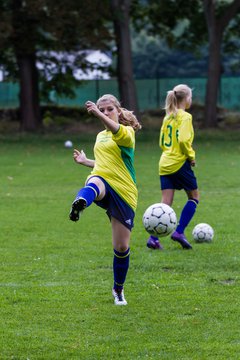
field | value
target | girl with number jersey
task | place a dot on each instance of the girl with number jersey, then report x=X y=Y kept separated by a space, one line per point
x=178 y=156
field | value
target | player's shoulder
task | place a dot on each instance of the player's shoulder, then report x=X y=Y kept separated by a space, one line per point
x=103 y=135
x=102 y=132
x=168 y=119
x=130 y=129
x=184 y=116
x=125 y=129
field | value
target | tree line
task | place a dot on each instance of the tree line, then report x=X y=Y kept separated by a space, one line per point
x=32 y=32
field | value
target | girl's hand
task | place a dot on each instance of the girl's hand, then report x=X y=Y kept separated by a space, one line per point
x=79 y=156
x=192 y=163
x=92 y=108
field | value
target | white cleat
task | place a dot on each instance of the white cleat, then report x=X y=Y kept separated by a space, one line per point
x=119 y=298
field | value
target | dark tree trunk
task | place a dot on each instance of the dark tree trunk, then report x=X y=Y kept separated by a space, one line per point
x=29 y=94
x=216 y=26
x=24 y=44
x=127 y=90
x=213 y=83
x=214 y=65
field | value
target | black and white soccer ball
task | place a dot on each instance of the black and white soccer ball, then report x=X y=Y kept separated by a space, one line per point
x=159 y=220
x=203 y=233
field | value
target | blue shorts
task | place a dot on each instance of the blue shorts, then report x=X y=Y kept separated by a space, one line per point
x=184 y=178
x=116 y=207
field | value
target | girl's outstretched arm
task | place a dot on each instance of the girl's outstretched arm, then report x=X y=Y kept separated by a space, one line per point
x=80 y=158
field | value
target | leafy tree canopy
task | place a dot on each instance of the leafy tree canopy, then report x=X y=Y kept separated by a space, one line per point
x=42 y=27
x=153 y=57
x=175 y=39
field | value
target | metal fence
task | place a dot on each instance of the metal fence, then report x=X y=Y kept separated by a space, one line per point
x=151 y=92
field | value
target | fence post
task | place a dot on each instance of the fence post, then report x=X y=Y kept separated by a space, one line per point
x=157 y=92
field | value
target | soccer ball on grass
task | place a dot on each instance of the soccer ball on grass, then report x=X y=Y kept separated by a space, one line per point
x=159 y=220
x=203 y=233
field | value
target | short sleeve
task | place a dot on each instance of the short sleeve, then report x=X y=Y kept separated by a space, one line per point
x=125 y=136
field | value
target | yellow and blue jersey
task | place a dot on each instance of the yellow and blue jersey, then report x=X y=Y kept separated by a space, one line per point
x=114 y=162
x=176 y=137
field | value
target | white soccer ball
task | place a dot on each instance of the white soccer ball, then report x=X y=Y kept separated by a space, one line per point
x=203 y=233
x=159 y=220
x=68 y=144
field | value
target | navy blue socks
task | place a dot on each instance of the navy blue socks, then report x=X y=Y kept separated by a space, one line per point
x=186 y=215
x=89 y=193
x=120 y=268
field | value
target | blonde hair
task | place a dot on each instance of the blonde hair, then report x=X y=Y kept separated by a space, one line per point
x=175 y=97
x=126 y=117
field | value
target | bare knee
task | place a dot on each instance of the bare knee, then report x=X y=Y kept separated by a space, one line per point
x=193 y=194
x=120 y=236
x=100 y=184
x=167 y=196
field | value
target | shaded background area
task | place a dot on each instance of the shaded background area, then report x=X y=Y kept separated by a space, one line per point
x=151 y=93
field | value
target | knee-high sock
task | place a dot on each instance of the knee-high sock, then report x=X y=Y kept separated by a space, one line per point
x=154 y=237
x=89 y=193
x=187 y=214
x=120 y=268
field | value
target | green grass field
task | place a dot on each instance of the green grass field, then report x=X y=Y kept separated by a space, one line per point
x=56 y=276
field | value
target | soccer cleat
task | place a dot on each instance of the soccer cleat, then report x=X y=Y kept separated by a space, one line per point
x=119 y=298
x=181 y=239
x=77 y=207
x=153 y=243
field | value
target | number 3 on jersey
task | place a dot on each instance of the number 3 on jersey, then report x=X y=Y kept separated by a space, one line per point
x=168 y=141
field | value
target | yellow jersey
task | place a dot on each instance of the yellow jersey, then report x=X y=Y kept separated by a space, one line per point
x=176 y=137
x=114 y=162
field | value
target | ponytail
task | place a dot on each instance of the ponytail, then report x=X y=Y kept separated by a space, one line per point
x=175 y=97
x=171 y=104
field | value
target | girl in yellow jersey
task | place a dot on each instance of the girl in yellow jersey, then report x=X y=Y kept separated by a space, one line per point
x=112 y=182
x=178 y=156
